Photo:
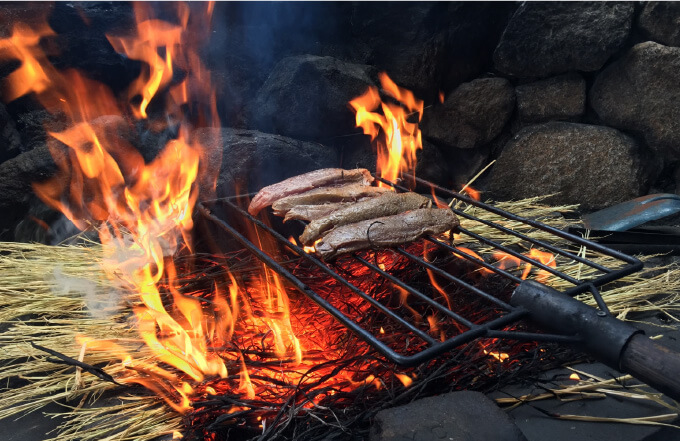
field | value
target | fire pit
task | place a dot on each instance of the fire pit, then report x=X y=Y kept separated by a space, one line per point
x=196 y=319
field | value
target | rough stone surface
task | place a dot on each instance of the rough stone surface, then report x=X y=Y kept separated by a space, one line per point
x=251 y=160
x=660 y=21
x=457 y=416
x=472 y=115
x=548 y=38
x=307 y=96
x=10 y=141
x=589 y=165
x=640 y=93
x=429 y=46
x=558 y=98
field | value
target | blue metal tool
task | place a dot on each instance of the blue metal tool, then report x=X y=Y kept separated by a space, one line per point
x=626 y=215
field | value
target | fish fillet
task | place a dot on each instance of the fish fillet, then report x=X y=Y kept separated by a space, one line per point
x=387 y=204
x=305 y=182
x=384 y=232
x=323 y=195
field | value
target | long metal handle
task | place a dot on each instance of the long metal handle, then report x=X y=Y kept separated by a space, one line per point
x=613 y=342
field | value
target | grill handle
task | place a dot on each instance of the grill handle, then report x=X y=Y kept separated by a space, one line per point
x=611 y=341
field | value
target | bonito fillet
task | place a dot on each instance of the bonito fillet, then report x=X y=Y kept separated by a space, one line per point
x=386 y=204
x=313 y=212
x=345 y=193
x=388 y=231
x=305 y=182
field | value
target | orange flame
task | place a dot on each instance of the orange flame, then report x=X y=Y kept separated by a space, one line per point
x=507 y=261
x=401 y=139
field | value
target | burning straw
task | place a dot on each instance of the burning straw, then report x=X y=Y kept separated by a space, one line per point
x=51 y=295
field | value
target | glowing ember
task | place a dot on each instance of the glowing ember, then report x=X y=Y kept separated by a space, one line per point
x=575 y=377
x=400 y=138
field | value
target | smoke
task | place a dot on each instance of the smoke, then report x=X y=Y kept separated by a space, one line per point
x=101 y=302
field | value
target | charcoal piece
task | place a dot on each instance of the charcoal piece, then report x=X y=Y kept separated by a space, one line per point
x=458 y=416
x=545 y=39
x=640 y=92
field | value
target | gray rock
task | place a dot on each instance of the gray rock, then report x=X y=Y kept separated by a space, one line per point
x=457 y=416
x=589 y=165
x=558 y=98
x=251 y=160
x=660 y=21
x=307 y=96
x=429 y=46
x=548 y=38
x=10 y=141
x=640 y=93
x=472 y=115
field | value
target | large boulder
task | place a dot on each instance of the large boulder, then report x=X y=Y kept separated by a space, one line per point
x=583 y=164
x=548 y=38
x=307 y=96
x=429 y=46
x=554 y=99
x=640 y=93
x=660 y=21
x=472 y=115
x=251 y=160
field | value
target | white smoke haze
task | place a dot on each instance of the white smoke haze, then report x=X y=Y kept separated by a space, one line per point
x=101 y=301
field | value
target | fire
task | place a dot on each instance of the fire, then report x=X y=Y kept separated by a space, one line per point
x=400 y=138
x=507 y=261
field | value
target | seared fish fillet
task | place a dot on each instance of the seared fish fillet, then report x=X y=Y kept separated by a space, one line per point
x=345 y=193
x=388 y=231
x=386 y=204
x=305 y=182
x=313 y=212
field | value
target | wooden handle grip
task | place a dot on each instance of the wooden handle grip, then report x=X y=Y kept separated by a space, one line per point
x=652 y=363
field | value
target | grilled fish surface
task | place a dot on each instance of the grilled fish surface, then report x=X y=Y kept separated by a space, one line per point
x=313 y=212
x=387 y=204
x=388 y=231
x=305 y=182
x=323 y=195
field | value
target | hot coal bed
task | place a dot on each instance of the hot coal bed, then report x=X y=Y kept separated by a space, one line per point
x=573 y=100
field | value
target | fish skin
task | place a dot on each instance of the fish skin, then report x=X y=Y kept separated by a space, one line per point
x=305 y=182
x=312 y=212
x=385 y=232
x=344 y=193
x=387 y=204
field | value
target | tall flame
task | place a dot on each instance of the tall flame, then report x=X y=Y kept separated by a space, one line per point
x=400 y=139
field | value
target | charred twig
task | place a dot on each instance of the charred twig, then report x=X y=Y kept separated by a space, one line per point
x=64 y=359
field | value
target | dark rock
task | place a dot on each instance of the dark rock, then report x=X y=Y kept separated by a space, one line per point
x=472 y=115
x=10 y=141
x=660 y=21
x=432 y=166
x=589 y=165
x=34 y=125
x=429 y=46
x=545 y=39
x=640 y=93
x=558 y=98
x=454 y=416
x=16 y=193
x=251 y=160
x=307 y=96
